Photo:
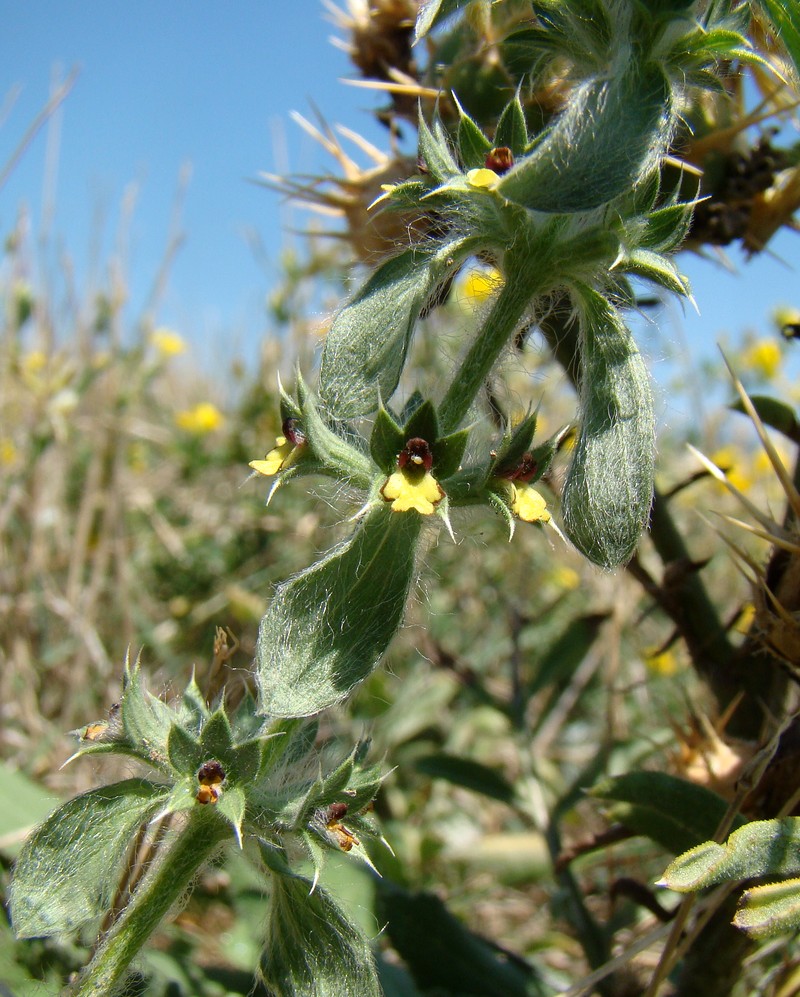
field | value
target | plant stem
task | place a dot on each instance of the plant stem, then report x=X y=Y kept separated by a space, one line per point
x=517 y=292
x=194 y=843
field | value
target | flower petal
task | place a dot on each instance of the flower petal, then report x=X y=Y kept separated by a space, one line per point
x=529 y=505
x=275 y=459
x=405 y=494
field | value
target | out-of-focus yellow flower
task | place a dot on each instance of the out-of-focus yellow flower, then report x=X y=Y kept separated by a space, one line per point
x=285 y=452
x=167 y=342
x=661 y=662
x=406 y=493
x=202 y=418
x=481 y=284
x=412 y=486
x=734 y=465
x=745 y=618
x=763 y=358
x=564 y=578
x=34 y=362
x=8 y=452
x=482 y=178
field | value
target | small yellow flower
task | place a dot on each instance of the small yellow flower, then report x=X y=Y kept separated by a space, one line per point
x=34 y=362
x=483 y=178
x=662 y=663
x=745 y=618
x=564 y=578
x=763 y=357
x=167 y=342
x=481 y=284
x=734 y=466
x=528 y=504
x=8 y=452
x=275 y=459
x=405 y=493
x=201 y=419
x=285 y=452
x=412 y=486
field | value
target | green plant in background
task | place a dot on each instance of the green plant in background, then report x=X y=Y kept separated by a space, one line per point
x=568 y=187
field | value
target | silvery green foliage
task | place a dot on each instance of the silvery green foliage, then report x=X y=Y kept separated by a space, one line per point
x=609 y=488
x=760 y=849
x=231 y=775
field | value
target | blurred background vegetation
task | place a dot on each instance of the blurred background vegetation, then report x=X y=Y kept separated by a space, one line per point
x=129 y=523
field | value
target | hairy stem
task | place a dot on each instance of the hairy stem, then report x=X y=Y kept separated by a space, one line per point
x=497 y=331
x=171 y=877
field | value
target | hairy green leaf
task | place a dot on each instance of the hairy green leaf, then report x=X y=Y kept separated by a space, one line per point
x=433 y=13
x=68 y=868
x=785 y=19
x=609 y=487
x=760 y=848
x=366 y=347
x=607 y=139
x=328 y=627
x=769 y=910
x=312 y=948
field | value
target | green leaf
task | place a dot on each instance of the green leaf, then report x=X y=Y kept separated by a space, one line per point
x=231 y=805
x=422 y=423
x=68 y=869
x=769 y=910
x=216 y=736
x=312 y=948
x=785 y=19
x=512 y=130
x=656 y=268
x=146 y=720
x=760 y=848
x=433 y=13
x=568 y=651
x=32 y=803
x=607 y=139
x=332 y=450
x=185 y=752
x=609 y=487
x=448 y=452
x=473 y=145
x=434 y=152
x=193 y=710
x=443 y=955
x=670 y=811
x=328 y=627
x=468 y=774
x=775 y=413
x=366 y=347
x=386 y=441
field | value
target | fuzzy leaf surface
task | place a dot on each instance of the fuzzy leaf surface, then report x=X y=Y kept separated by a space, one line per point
x=67 y=870
x=313 y=949
x=760 y=848
x=607 y=138
x=366 y=347
x=327 y=628
x=769 y=910
x=609 y=487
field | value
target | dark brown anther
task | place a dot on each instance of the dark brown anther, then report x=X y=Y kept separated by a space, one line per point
x=500 y=160
x=336 y=811
x=211 y=774
x=415 y=455
x=293 y=432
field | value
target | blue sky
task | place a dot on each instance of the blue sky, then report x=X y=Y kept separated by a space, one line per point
x=166 y=84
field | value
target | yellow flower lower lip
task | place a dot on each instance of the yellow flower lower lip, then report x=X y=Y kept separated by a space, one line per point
x=526 y=503
x=405 y=494
x=276 y=459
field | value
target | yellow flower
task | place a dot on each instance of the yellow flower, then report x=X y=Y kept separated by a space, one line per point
x=483 y=178
x=8 y=452
x=733 y=464
x=528 y=504
x=481 y=284
x=406 y=492
x=34 y=362
x=412 y=486
x=662 y=663
x=564 y=578
x=275 y=459
x=285 y=452
x=167 y=342
x=763 y=357
x=202 y=418
x=745 y=618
